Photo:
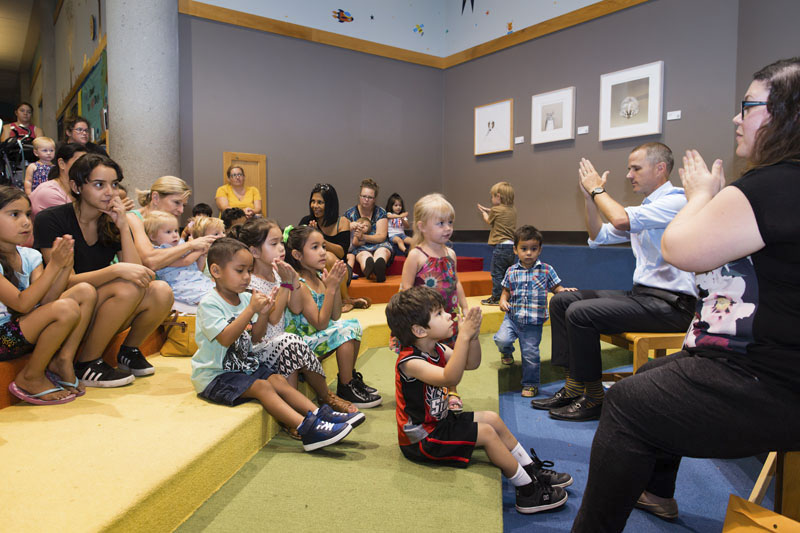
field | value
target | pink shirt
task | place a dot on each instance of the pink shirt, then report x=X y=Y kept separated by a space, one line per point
x=48 y=194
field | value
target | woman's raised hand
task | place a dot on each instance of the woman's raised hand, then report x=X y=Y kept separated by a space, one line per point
x=116 y=210
x=697 y=179
x=203 y=243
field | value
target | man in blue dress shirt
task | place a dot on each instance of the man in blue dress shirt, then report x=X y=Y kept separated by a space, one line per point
x=662 y=298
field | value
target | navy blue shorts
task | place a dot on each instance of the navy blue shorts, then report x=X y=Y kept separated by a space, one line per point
x=13 y=343
x=228 y=388
x=451 y=443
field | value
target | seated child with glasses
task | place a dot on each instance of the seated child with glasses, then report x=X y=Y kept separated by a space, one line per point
x=428 y=432
x=226 y=370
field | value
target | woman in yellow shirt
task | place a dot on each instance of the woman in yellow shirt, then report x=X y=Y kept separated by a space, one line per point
x=235 y=194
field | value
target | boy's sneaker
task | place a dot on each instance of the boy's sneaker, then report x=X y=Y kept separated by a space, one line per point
x=360 y=379
x=356 y=395
x=538 y=496
x=326 y=413
x=98 y=373
x=540 y=470
x=132 y=360
x=317 y=432
x=491 y=301
x=530 y=392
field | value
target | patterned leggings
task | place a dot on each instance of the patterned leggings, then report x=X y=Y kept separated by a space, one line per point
x=287 y=353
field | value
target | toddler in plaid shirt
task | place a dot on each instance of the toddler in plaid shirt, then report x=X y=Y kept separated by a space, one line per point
x=524 y=300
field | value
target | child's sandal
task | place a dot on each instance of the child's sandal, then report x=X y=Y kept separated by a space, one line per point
x=507 y=359
x=454 y=402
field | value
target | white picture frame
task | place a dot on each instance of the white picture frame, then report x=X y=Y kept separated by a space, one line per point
x=553 y=116
x=494 y=127
x=631 y=102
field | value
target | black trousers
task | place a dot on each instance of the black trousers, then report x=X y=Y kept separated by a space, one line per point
x=578 y=318
x=681 y=405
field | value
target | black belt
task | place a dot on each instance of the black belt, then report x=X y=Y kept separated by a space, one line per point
x=677 y=299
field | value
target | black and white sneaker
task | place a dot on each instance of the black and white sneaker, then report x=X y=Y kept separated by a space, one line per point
x=360 y=379
x=98 y=373
x=132 y=360
x=326 y=413
x=316 y=432
x=356 y=395
x=537 y=496
x=541 y=470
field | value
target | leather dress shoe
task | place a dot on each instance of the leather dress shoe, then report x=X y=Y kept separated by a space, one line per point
x=559 y=399
x=578 y=410
x=666 y=508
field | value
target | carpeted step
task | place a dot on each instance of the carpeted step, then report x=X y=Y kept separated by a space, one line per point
x=475 y=284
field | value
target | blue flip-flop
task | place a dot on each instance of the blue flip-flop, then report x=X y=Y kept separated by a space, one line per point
x=35 y=398
x=57 y=381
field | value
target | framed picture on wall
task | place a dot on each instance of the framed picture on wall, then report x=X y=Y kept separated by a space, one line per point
x=494 y=127
x=553 y=116
x=631 y=102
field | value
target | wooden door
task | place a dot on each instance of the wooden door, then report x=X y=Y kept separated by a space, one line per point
x=255 y=172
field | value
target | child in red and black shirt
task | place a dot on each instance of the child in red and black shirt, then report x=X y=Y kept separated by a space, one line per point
x=430 y=433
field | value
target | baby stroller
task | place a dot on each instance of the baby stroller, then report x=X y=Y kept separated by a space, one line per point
x=16 y=153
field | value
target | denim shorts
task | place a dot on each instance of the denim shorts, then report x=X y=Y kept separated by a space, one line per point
x=227 y=388
x=13 y=343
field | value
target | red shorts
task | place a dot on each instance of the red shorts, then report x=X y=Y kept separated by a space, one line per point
x=451 y=443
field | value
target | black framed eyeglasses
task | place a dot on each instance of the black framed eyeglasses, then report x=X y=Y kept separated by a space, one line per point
x=746 y=104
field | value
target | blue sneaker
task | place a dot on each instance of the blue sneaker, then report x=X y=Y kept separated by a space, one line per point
x=326 y=413
x=317 y=432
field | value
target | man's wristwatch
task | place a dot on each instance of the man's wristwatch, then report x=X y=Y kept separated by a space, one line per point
x=596 y=191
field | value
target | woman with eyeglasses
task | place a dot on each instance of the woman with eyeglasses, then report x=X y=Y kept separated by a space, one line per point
x=734 y=390
x=23 y=126
x=77 y=130
x=323 y=214
x=236 y=194
x=376 y=253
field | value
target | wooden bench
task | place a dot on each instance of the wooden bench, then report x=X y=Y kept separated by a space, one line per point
x=641 y=344
x=785 y=468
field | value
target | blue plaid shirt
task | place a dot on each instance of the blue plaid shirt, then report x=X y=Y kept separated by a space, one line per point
x=527 y=289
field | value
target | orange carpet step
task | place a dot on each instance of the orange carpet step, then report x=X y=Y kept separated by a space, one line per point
x=474 y=283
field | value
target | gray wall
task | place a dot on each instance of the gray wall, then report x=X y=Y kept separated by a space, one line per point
x=697 y=42
x=319 y=113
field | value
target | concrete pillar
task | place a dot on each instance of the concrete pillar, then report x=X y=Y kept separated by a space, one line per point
x=47 y=52
x=142 y=51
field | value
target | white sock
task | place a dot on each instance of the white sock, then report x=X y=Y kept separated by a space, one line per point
x=521 y=455
x=521 y=478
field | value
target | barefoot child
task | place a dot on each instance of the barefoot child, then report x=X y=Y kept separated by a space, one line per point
x=398 y=222
x=189 y=285
x=34 y=314
x=524 y=300
x=225 y=370
x=289 y=354
x=433 y=264
x=314 y=313
x=45 y=149
x=427 y=431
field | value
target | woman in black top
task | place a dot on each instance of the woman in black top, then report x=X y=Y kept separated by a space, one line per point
x=734 y=390
x=323 y=213
x=127 y=293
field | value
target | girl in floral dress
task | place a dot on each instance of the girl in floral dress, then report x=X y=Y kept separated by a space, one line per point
x=433 y=264
x=314 y=313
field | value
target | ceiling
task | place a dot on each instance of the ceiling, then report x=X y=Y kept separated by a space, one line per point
x=15 y=21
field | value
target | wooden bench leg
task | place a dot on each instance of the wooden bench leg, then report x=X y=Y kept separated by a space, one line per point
x=641 y=351
x=764 y=479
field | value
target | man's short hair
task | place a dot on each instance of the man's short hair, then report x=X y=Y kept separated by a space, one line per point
x=657 y=153
x=527 y=233
x=409 y=308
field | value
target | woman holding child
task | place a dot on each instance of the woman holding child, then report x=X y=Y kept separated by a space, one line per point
x=169 y=194
x=127 y=293
x=375 y=253
x=733 y=388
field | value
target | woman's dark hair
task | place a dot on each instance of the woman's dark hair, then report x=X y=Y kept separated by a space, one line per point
x=64 y=151
x=16 y=107
x=9 y=194
x=295 y=241
x=202 y=209
x=779 y=138
x=331 y=199
x=231 y=214
x=70 y=123
x=254 y=232
x=81 y=171
x=222 y=251
x=392 y=199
